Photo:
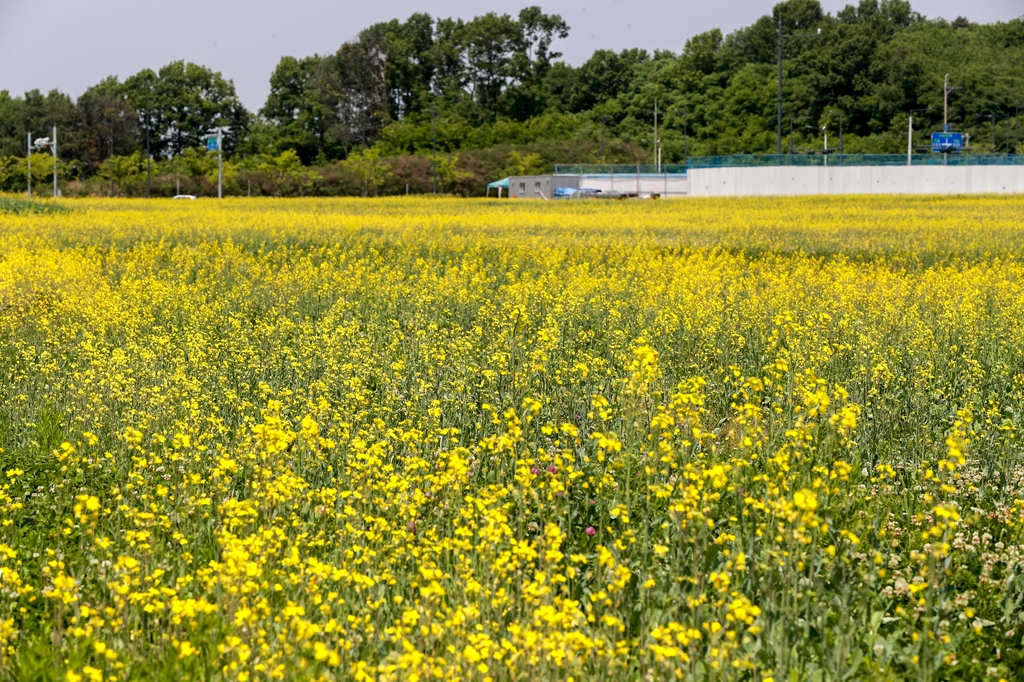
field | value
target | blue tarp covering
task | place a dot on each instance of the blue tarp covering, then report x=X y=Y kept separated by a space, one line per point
x=498 y=183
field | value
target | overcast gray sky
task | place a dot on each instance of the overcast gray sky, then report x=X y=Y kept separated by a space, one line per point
x=71 y=45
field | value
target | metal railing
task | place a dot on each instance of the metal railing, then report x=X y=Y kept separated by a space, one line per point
x=619 y=169
x=757 y=160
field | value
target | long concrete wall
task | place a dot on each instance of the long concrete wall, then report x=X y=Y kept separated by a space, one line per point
x=792 y=180
x=663 y=184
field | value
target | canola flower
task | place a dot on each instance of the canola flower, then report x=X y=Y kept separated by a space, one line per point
x=421 y=439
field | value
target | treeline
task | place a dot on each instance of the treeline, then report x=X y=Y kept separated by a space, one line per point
x=491 y=96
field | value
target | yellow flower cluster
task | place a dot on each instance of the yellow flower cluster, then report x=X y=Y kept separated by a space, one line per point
x=420 y=439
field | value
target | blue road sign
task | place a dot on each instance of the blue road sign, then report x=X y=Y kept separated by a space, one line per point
x=947 y=142
x=211 y=143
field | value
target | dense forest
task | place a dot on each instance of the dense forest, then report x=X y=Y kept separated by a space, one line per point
x=492 y=97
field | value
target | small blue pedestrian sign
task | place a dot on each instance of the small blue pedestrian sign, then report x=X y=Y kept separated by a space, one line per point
x=211 y=143
x=947 y=143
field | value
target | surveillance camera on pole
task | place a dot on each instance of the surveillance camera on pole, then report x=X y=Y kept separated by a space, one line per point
x=28 y=161
x=39 y=145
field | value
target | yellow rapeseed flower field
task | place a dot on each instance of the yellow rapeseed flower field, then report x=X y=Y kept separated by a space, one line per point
x=418 y=439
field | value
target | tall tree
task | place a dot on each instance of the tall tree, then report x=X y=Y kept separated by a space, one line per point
x=352 y=85
x=183 y=102
x=108 y=124
x=294 y=108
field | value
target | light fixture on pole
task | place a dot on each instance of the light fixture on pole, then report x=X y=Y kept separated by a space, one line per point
x=657 y=146
x=945 y=101
x=149 y=161
x=111 y=153
x=41 y=144
x=992 y=118
x=28 y=161
x=433 y=140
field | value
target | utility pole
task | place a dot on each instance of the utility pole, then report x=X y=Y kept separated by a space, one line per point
x=433 y=140
x=657 y=148
x=992 y=120
x=220 y=162
x=111 y=153
x=28 y=159
x=149 y=160
x=217 y=138
x=54 y=162
x=945 y=102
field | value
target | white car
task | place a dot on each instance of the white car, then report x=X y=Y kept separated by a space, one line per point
x=185 y=196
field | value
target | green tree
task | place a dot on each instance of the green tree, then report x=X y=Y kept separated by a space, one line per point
x=449 y=175
x=293 y=109
x=522 y=164
x=184 y=101
x=370 y=169
x=287 y=168
x=122 y=170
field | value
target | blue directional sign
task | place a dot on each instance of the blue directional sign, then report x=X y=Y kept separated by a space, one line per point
x=947 y=142
x=211 y=143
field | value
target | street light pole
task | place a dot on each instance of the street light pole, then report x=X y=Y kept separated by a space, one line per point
x=992 y=120
x=433 y=140
x=220 y=163
x=111 y=153
x=28 y=159
x=657 y=146
x=149 y=160
x=945 y=104
x=54 y=162
x=945 y=101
